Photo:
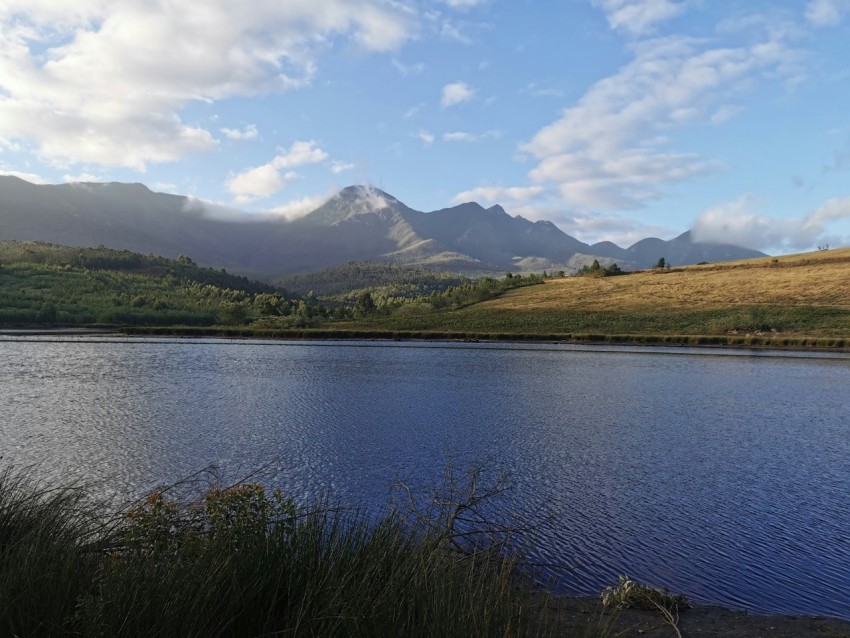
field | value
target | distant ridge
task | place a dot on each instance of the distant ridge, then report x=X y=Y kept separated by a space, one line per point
x=359 y=223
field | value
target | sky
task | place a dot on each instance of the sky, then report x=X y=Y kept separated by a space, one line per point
x=614 y=119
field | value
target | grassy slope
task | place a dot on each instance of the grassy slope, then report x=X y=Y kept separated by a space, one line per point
x=793 y=296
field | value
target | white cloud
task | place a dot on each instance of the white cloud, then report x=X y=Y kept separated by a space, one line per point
x=426 y=136
x=412 y=111
x=638 y=17
x=833 y=210
x=586 y=226
x=105 y=82
x=266 y=180
x=408 y=69
x=464 y=4
x=32 y=178
x=299 y=207
x=827 y=13
x=608 y=151
x=739 y=222
x=456 y=93
x=537 y=91
x=250 y=132
x=257 y=183
x=725 y=113
x=592 y=228
x=451 y=31
x=463 y=136
x=82 y=178
x=165 y=187
x=498 y=194
x=213 y=210
x=536 y=203
x=300 y=153
x=459 y=136
x=340 y=167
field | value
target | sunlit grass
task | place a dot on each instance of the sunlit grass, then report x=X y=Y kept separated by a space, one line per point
x=791 y=298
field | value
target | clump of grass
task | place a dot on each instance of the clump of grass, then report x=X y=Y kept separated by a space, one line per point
x=46 y=560
x=241 y=561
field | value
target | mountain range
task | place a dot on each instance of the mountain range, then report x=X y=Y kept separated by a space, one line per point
x=359 y=223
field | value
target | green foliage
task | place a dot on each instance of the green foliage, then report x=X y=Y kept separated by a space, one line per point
x=365 y=305
x=45 y=284
x=242 y=562
x=149 y=529
x=661 y=263
x=595 y=270
x=107 y=259
x=381 y=279
x=44 y=559
x=480 y=290
x=739 y=324
x=244 y=511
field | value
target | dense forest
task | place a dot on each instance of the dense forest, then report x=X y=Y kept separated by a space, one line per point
x=383 y=278
x=46 y=284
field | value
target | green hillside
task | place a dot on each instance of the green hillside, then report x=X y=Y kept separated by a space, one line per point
x=46 y=284
x=381 y=279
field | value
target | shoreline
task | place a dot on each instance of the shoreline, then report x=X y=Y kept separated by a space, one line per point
x=707 y=342
x=738 y=342
x=71 y=331
x=705 y=620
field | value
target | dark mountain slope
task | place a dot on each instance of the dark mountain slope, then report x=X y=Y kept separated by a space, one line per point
x=491 y=235
x=360 y=223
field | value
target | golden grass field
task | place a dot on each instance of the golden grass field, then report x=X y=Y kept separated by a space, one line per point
x=791 y=300
x=811 y=279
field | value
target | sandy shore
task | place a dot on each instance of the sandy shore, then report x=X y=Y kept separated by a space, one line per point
x=700 y=621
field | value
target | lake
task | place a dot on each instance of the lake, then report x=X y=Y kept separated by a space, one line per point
x=723 y=475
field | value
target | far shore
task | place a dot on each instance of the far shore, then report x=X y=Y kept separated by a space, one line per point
x=745 y=341
x=726 y=341
x=73 y=331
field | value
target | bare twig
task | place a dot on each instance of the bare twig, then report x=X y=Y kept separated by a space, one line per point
x=630 y=593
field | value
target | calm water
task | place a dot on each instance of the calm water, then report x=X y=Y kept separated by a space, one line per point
x=723 y=476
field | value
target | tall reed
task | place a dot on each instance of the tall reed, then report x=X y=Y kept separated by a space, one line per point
x=242 y=562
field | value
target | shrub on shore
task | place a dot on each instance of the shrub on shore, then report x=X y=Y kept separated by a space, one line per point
x=242 y=562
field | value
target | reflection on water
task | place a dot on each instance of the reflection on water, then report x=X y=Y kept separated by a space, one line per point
x=724 y=477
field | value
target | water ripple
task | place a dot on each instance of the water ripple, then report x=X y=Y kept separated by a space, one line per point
x=724 y=477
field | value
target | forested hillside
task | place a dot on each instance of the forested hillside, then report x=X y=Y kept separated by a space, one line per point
x=44 y=283
x=388 y=279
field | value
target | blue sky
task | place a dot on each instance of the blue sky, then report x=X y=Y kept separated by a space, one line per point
x=616 y=119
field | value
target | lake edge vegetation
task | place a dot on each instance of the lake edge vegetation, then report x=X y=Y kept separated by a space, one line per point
x=786 y=302
x=243 y=561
